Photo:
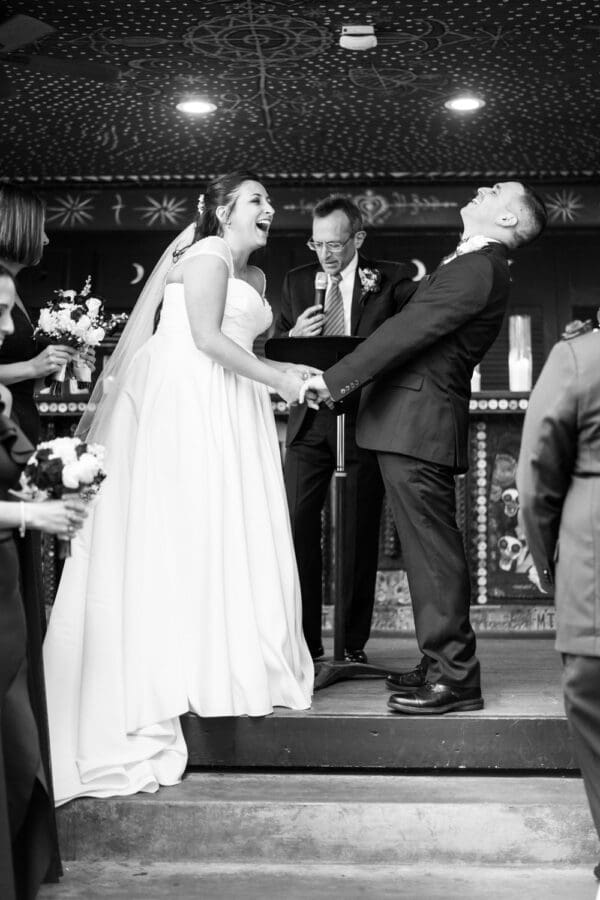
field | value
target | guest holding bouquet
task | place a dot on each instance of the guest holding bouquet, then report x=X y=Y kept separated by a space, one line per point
x=22 y=365
x=28 y=849
x=75 y=320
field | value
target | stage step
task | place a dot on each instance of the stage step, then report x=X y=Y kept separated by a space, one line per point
x=153 y=881
x=368 y=819
x=522 y=727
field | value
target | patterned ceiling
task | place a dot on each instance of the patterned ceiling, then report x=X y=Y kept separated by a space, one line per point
x=94 y=99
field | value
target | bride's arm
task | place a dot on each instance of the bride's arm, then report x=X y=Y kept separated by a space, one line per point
x=205 y=288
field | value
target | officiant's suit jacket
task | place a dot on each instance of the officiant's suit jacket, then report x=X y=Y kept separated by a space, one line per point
x=368 y=310
x=415 y=369
x=310 y=460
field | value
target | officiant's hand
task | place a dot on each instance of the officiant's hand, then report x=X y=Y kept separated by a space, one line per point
x=314 y=390
x=309 y=323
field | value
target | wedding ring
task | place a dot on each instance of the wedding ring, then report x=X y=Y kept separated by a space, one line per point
x=304 y=376
x=71 y=529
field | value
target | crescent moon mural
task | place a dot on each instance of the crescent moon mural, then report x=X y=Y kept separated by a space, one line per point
x=421 y=270
x=139 y=273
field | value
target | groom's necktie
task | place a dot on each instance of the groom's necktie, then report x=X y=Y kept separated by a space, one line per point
x=334 y=307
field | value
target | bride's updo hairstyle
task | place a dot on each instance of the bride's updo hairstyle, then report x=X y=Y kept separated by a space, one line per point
x=221 y=191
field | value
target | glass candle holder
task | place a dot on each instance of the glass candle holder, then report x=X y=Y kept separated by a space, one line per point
x=476 y=380
x=519 y=353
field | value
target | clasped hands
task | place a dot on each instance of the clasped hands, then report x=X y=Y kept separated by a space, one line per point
x=309 y=387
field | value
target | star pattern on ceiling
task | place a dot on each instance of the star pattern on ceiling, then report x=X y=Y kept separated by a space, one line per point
x=94 y=99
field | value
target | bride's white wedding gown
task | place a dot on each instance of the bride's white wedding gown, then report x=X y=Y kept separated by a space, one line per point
x=182 y=591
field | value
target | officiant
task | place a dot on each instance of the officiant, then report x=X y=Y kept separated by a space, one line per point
x=360 y=294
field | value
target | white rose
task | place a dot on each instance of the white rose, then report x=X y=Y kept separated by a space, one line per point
x=81 y=326
x=97 y=451
x=68 y=295
x=46 y=320
x=70 y=476
x=95 y=336
x=87 y=467
x=64 y=320
x=64 y=448
x=93 y=305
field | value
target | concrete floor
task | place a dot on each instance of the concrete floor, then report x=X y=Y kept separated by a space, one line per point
x=168 y=882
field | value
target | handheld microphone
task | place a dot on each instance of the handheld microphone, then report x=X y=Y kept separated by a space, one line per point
x=320 y=288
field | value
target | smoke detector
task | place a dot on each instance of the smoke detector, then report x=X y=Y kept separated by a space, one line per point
x=358 y=37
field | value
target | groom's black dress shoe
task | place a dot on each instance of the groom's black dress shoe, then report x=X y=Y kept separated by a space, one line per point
x=409 y=680
x=357 y=656
x=436 y=699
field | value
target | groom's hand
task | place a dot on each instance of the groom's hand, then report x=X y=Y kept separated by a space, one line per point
x=315 y=389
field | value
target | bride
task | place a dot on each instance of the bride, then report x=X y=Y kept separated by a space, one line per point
x=182 y=591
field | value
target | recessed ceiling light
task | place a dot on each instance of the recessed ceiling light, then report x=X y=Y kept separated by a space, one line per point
x=196 y=107
x=464 y=103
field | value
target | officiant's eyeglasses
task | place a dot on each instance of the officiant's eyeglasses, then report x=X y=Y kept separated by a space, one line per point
x=334 y=246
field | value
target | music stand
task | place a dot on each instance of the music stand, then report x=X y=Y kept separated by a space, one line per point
x=323 y=352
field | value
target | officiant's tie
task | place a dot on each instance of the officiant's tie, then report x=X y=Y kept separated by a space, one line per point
x=334 y=307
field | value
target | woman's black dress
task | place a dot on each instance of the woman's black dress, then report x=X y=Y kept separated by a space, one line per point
x=19 y=347
x=27 y=836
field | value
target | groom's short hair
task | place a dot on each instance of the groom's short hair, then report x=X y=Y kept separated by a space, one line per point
x=341 y=203
x=532 y=215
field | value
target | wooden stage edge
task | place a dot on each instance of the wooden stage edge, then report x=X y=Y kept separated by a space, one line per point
x=522 y=727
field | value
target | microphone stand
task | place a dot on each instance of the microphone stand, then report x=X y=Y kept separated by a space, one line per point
x=323 y=352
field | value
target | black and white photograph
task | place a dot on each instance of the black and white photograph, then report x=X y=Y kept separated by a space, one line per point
x=299 y=449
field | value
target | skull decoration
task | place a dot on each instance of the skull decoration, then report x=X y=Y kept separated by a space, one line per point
x=504 y=472
x=510 y=547
x=510 y=498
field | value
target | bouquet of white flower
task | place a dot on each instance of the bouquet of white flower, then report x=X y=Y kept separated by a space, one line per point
x=65 y=465
x=76 y=320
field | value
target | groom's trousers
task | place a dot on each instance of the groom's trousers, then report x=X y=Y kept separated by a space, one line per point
x=423 y=501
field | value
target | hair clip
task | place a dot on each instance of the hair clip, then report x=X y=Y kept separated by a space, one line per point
x=201 y=204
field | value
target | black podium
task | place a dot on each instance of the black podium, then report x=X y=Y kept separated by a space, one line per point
x=323 y=352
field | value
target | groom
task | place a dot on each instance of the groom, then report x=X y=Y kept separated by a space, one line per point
x=415 y=414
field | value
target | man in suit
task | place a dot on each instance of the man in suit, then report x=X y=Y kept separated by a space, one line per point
x=361 y=294
x=558 y=479
x=414 y=412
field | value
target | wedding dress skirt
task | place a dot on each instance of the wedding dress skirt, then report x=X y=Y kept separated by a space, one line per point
x=182 y=591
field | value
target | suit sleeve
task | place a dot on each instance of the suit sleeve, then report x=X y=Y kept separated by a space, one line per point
x=404 y=288
x=547 y=456
x=457 y=295
x=285 y=320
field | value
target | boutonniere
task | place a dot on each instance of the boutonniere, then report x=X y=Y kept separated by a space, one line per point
x=370 y=280
x=575 y=328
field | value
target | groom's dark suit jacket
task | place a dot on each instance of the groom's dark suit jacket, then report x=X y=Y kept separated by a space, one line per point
x=418 y=364
x=368 y=310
